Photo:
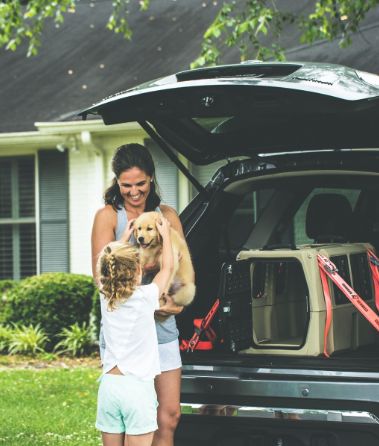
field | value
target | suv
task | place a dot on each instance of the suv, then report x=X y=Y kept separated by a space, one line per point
x=307 y=184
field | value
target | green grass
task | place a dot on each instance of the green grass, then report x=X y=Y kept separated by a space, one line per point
x=48 y=407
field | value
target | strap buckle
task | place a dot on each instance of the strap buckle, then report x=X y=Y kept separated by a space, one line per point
x=373 y=260
x=327 y=264
x=331 y=271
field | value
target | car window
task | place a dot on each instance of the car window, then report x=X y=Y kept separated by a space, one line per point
x=299 y=221
x=245 y=216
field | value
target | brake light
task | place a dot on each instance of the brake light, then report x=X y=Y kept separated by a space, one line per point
x=261 y=70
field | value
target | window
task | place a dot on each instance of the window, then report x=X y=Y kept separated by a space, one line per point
x=300 y=217
x=245 y=216
x=17 y=218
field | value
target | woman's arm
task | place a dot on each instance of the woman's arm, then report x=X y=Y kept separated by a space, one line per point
x=103 y=232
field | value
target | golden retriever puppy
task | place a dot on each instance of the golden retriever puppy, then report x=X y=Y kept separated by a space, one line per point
x=181 y=286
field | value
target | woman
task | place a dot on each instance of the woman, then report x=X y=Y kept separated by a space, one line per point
x=134 y=190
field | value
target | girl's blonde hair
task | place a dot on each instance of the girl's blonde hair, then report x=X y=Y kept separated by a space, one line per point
x=118 y=270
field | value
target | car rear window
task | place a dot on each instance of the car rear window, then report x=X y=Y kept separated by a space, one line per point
x=243 y=220
x=299 y=220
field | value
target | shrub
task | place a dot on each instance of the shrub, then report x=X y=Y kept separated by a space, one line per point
x=5 y=287
x=53 y=300
x=75 y=340
x=5 y=337
x=96 y=312
x=27 y=340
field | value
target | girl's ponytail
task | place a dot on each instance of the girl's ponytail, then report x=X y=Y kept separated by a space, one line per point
x=118 y=271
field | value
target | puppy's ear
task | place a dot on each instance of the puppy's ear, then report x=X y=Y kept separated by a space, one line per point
x=135 y=233
x=160 y=239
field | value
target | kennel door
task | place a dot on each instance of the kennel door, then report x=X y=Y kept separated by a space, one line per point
x=236 y=320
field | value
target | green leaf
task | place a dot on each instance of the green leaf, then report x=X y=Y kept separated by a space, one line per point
x=243 y=28
x=216 y=32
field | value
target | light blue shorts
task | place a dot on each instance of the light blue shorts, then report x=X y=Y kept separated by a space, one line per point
x=126 y=404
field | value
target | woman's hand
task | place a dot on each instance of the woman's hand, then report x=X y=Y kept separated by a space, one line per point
x=169 y=308
x=128 y=231
x=151 y=267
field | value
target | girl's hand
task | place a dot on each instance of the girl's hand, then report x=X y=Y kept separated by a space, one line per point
x=164 y=228
x=128 y=231
x=169 y=308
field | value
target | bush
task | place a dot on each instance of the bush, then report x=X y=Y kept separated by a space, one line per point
x=53 y=300
x=5 y=337
x=27 y=340
x=96 y=312
x=75 y=340
x=5 y=287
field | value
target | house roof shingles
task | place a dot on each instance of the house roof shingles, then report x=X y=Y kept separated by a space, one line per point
x=166 y=38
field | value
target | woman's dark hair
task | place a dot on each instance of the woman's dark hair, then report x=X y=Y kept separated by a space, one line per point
x=126 y=157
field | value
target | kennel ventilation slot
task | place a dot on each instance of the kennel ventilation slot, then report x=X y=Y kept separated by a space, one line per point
x=342 y=265
x=235 y=304
x=361 y=275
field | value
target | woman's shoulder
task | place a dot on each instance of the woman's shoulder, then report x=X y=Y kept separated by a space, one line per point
x=106 y=215
x=168 y=211
x=171 y=215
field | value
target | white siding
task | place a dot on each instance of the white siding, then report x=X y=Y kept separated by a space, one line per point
x=86 y=190
x=204 y=173
x=166 y=173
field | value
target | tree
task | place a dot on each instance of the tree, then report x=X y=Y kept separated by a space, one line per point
x=245 y=27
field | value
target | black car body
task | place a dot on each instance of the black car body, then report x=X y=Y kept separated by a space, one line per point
x=303 y=129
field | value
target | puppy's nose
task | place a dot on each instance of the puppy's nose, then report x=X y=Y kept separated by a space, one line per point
x=141 y=239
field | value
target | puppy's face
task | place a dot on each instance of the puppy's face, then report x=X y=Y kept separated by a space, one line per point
x=145 y=230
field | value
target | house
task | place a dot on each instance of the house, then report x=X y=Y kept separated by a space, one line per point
x=54 y=167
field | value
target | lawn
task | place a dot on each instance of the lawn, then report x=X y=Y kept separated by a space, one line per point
x=49 y=406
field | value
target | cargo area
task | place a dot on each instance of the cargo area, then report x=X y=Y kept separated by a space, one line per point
x=269 y=230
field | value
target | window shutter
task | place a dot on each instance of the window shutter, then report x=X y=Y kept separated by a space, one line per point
x=167 y=174
x=54 y=220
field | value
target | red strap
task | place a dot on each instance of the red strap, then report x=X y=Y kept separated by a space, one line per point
x=327 y=267
x=374 y=263
x=201 y=327
x=328 y=305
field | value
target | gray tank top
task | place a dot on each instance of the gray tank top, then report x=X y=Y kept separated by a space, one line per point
x=166 y=331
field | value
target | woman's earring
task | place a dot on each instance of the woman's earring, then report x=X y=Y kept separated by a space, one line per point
x=151 y=181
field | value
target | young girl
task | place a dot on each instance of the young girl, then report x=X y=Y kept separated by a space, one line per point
x=127 y=402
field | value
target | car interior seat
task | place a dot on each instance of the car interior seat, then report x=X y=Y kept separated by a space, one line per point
x=329 y=218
